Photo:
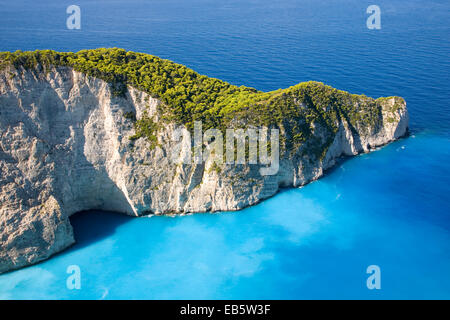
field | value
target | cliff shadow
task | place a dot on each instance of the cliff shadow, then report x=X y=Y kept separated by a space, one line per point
x=94 y=225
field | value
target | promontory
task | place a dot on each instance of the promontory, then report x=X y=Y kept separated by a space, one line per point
x=95 y=130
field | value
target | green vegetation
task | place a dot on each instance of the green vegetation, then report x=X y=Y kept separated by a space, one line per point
x=189 y=96
x=130 y=116
x=146 y=127
x=215 y=167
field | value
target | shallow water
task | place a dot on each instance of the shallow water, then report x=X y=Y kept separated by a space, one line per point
x=388 y=208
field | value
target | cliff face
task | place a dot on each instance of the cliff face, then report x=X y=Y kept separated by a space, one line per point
x=65 y=147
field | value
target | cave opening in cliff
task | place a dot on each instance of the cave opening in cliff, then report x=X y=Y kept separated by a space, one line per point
x=94 y=225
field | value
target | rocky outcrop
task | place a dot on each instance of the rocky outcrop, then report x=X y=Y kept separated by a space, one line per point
x=65 y=147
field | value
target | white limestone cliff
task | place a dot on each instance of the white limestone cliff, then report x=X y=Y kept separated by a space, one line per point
x=65 y=148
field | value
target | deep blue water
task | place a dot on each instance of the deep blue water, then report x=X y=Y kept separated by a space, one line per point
x=389 y=208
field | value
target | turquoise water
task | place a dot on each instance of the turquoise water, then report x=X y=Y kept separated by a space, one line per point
x=388 y=208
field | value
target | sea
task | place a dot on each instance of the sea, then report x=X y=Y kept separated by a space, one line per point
x=387 y=211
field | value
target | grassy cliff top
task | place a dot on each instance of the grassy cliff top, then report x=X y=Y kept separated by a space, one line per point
x=189 y=96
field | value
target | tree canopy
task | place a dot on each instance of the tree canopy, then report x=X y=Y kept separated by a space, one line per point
x=188 y=96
